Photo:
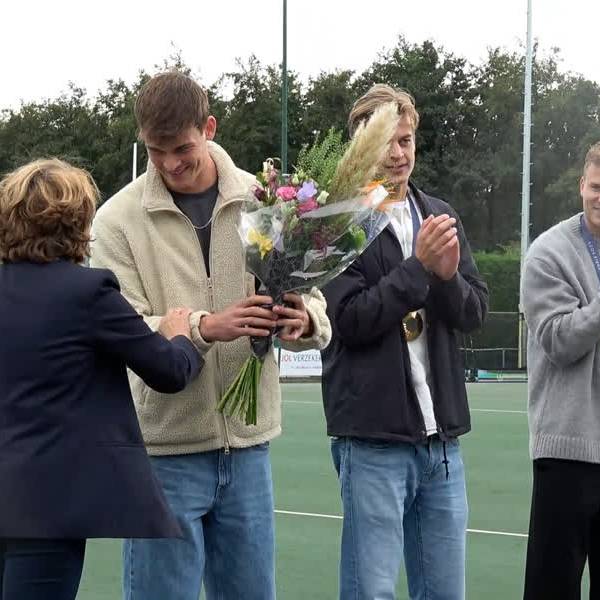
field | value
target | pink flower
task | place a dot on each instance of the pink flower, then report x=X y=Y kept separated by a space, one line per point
x=307 y=206
x=286 y=192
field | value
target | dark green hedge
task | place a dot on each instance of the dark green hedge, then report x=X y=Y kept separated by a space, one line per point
x=500 y=271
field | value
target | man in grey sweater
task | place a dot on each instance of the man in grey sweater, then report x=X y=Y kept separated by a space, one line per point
x=561 y=296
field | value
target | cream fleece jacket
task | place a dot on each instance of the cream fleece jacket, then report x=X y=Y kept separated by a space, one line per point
x=154 y=251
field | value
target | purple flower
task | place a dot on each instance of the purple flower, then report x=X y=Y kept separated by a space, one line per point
x=307 y=191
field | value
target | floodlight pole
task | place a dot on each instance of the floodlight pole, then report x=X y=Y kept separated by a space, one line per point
x=526 y=181
x=284 y=96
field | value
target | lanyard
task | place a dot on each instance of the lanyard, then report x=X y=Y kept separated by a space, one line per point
x=416 y=224
x=592 y=246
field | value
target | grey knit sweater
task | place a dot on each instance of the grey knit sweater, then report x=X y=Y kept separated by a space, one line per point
x=561 y=297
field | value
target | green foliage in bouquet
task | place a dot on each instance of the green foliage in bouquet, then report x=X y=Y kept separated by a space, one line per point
x=322 y=158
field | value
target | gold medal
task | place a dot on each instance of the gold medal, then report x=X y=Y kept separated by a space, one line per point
x=413 y=326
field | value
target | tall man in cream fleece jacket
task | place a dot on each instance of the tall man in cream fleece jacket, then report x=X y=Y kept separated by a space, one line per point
x=561 y=281
x=170 y=237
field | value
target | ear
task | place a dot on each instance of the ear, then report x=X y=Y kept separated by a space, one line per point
x=581 y=184
x=210 y=129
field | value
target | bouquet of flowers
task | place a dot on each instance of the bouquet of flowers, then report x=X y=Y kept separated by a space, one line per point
x=302 y=230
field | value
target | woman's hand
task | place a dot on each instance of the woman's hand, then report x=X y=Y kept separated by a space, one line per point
x=176 y=322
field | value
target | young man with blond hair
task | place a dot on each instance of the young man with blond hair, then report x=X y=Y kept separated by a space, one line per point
x=170 y=237
x=560 y=290
x=393 y=386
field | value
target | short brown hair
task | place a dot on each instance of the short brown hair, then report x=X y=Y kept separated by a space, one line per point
x=46 y=211
x=378 y=95
x=170 y=103
x=592 y=157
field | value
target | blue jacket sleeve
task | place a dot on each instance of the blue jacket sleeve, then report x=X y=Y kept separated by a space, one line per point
x=118 y=330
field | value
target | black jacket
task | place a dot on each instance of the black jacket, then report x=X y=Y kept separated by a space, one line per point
x=72 y=460
x=367 y=383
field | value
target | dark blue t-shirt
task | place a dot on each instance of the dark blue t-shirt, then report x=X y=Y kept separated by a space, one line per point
x=198 y=208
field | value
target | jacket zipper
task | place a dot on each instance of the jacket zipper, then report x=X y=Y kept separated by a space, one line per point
x=218 y=361
x=209 y=284
x=210 y=293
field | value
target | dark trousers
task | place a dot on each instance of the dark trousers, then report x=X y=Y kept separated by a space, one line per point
x=564 y=530
x=40 y=569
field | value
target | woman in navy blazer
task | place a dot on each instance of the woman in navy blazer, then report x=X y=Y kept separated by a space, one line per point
x=72 y=460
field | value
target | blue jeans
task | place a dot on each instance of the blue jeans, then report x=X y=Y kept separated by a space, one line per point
x=224 y=504
x=399 y=499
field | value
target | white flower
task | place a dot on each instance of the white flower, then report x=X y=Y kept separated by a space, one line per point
x=267 y=168
x=322 y=197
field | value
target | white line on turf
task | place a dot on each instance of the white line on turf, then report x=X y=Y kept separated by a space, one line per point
x=490 y=410
x=302 y=402
x=338 y=517
x=304 y=514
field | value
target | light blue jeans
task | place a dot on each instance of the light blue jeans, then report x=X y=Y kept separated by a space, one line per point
x=398 y=498
x=224 y=504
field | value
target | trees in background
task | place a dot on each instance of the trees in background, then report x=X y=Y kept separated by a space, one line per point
x=469 y=142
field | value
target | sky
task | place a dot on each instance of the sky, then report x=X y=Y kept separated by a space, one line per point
x=46 y=44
